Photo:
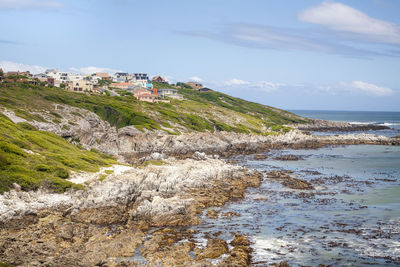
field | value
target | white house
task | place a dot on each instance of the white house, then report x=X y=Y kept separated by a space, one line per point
x=168 y=92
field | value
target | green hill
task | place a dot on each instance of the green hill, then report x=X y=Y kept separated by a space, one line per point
x=34 y=159
x=209 y=111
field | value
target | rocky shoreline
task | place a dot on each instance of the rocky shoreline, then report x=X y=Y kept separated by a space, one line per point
x=337 y=126
x=142 y=214
x=130 y=144
x=143 y=211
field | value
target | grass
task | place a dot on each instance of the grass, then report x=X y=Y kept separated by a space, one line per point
x=34 y=159
x=152 y=162
x=196 y=113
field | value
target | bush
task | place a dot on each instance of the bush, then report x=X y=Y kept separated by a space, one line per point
x=26 y=126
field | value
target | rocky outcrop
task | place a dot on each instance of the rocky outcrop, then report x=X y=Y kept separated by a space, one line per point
x=333 y=126
x=285 y=179
x=109 y=221
x=130 y=144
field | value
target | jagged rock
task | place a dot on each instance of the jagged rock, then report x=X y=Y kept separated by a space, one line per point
x=199 y=155
x=214 y=249
x=240 y=240
x=260 y=157
x=213 y=214
x=287 y=157
x=291 y=182
x=296 y=183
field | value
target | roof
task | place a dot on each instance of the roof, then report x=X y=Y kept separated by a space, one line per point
x=140 y=90
x=103 y=74
x=167 y=89
x=147 y=94
x=121 y=84
x=158 y=77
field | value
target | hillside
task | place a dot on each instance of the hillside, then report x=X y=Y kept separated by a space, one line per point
x=209 y=111
x=33 y=158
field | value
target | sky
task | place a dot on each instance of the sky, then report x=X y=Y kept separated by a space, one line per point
x=311 y=54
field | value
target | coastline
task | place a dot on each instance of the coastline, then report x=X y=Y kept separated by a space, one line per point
x=144 y=213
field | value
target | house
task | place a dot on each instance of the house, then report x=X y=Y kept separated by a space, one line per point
x=159 y=79
x=204 y=89
x=122 y=85
x=41 y=77
x=94 y=78
x=33 y=82
x=169 y=92
x=120 y=77
x=59 y=77
x=25 y=74
x=81 y=86
x=103 y=75
x=22 y=80
x=11 y=73
x=50 y=82
x=135 y=77
x=195 y=85
x=146 y=95
x=75 y=77
x=138 y=92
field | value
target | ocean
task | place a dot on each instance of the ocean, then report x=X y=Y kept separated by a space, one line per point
x=386 y=118
x=351 y=218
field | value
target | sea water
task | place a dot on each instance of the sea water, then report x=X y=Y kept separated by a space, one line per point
x=385 y=118
x=352 y=218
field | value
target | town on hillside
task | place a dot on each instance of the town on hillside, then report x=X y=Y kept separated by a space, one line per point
x=119 y=83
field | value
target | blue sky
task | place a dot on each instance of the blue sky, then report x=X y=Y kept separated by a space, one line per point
x=335 y=55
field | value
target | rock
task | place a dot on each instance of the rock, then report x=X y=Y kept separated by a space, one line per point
x=214 y=249
x=239 y=256
x=282 y=264
x=278 y=174
x=16 y=187
x=199 y=155
x=293 y=183
x=334 y=126
x=296 y=183
x=156 y=156
x=287 y=157
x=240 y=240
x=260 y=157
x=230 y=214
x=213 y=214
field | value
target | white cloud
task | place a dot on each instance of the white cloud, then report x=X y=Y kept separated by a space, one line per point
x=254 y=85
x=14 y=66
x=343 y=18
x=93 y=69
x=371 y=89
x=30 y=4
x=235 y=82
x=196 y=79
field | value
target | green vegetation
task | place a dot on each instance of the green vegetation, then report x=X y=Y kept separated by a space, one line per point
x=152 y=162
x=34 y=159
x=209 y=111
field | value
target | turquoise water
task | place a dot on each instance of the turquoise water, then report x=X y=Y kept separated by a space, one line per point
x=390 y=119
x=352 y=218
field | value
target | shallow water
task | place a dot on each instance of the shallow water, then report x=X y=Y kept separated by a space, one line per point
x=352 y=218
